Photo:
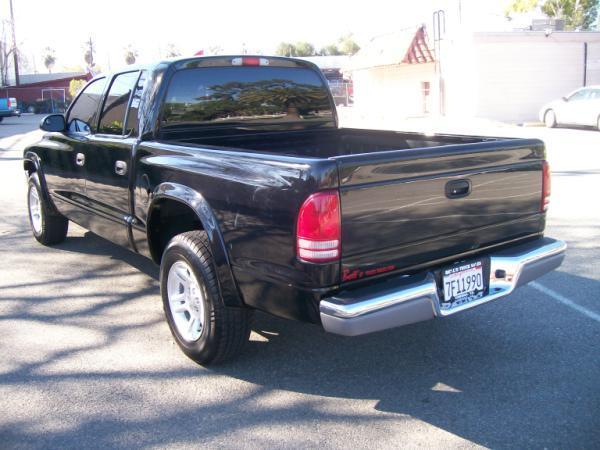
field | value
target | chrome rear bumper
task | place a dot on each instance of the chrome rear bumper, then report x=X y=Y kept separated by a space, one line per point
x=415 y=298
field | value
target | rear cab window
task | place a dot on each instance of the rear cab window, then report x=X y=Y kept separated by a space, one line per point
x=245 y=96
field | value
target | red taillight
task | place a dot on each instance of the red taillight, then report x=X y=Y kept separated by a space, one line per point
x=8 y=103
x=249 y=61
x=318 y=234
x=546 y=181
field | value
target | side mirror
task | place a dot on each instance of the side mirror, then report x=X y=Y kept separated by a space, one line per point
x=53 y=122
x=564 y=99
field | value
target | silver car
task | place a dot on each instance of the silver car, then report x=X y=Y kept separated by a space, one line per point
x=581 y=107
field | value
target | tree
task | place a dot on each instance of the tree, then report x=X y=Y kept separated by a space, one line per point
x=347 y=45
x=330 y=50
x=172 y=51
x=88 y=54
x=75 y=86
x=6 y=51
x=521 y=6
x=130 y=55
x=215 y=50
x=577 y=14
x=304 y=49
x=49 y=58
x=286 y=49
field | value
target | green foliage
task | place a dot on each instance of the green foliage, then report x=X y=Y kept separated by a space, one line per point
x=577 y=14
x=330 y=50
x=286 y=49
x=521 y=6
x=304 y=49
x=75 y=86
x=347 y=45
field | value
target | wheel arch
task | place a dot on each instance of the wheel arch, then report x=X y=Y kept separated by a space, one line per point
x=32 y=165
x=170 y=200
x=546 y=111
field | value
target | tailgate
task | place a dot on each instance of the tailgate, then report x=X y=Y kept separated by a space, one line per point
x=409 y=208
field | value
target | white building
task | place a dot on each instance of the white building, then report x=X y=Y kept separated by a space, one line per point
x=505 y=75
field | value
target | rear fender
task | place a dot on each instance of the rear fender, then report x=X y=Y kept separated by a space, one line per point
x=196 y=202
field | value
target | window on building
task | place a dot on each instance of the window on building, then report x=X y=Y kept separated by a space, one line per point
x=83 y=114
x=426 y=91
x=112 y=120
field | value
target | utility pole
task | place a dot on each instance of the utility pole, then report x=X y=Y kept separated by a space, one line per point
x=15 y=51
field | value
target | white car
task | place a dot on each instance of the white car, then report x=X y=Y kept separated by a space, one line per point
x=580 y=107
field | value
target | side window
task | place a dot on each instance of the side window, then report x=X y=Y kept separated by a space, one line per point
x=84 y=112
x=112 y=120
x=132 y=121
x=579 y=95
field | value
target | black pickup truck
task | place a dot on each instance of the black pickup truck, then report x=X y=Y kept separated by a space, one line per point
x=233 y=174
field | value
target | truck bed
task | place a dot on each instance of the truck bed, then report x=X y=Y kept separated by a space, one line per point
x=398 y=209
x=325 y=143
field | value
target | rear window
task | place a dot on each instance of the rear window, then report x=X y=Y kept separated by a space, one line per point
x=230 y=95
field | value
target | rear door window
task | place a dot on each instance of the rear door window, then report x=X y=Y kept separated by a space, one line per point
x=83 y=115
x=112 y=120
x=219 y=96
x=132 y=121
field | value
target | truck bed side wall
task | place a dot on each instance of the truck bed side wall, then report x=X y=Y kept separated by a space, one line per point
x=255 y=201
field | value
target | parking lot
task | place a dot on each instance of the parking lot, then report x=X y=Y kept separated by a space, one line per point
x=88 y=361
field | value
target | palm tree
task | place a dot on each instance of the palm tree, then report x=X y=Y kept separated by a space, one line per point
x=49 y=58
x=130 y=55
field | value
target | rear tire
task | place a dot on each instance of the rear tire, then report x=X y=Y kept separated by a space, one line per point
x=206 y=330
x=47 y=226
x=550 y=119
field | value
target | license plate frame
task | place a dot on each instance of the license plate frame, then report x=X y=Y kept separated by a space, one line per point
x=457 y=272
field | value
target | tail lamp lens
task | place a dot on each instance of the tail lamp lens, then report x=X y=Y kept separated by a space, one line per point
x=546 y=181
x=318 y=232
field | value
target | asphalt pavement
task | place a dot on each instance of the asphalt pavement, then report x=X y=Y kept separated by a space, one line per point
x=87 y=360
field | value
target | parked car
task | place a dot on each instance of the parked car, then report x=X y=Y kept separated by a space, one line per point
x=8 y=108
x=581 y=107
x=233 y=174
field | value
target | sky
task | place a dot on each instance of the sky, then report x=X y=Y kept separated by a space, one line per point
x=257 y=26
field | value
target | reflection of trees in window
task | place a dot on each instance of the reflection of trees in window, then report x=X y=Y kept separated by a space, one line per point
x=252 y=100
x=114 y=115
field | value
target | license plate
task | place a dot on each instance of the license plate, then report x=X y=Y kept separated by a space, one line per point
x=463 y=283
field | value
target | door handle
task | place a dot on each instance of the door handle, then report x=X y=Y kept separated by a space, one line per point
x=80 y=159
x=120 y=167
x=458 y=188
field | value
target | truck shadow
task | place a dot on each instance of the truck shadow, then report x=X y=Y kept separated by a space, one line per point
x=510 y=374
x=483 y=375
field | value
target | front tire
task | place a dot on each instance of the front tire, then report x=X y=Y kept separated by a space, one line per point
x=206 y=330
x=48 y=227
x=550 y=119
